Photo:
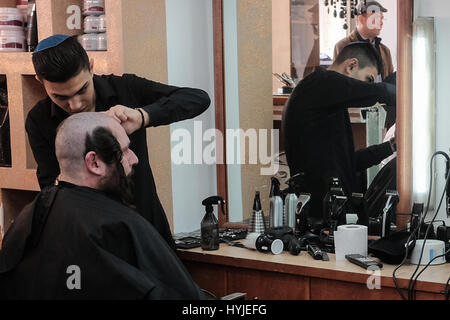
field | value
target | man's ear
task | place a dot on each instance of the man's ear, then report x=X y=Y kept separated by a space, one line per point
x=91 y=65
x=351 y=65
x=94 y=165
x=37 y=78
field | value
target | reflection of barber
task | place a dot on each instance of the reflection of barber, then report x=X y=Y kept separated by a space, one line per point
x=368 y=28
x=316 y=123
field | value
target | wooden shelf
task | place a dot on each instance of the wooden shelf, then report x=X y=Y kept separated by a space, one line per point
x=18 y=184
x=16 y=62
x=18 y=179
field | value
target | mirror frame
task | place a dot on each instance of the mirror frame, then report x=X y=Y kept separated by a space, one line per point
x=405 y=18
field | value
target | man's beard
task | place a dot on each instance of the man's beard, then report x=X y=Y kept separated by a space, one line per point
x=117 y=185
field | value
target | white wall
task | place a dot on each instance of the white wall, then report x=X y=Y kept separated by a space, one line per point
x=389 y=32
x=440 y=9
x=191 y=64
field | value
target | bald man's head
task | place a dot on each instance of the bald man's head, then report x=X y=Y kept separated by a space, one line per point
x=70 y=143
x=93 y=151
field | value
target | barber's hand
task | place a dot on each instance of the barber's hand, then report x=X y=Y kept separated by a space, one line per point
x=393 y=142
x=130 y=119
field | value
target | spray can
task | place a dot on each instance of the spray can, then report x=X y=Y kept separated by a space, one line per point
x=276 y=205
x=209 y=226
x=290 y=203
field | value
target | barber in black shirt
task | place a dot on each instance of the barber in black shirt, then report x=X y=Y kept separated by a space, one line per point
x=317 y=128
x=64 y=69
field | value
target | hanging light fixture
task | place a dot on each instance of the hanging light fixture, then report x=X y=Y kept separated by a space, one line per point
x=335 y=6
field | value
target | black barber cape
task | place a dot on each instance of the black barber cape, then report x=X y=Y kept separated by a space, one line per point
x=318 y=134
x=119 y=254
x=164 y=104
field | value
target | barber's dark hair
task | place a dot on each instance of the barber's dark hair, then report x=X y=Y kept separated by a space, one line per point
x=366 y=54
x=60 y=63
x=103 y=143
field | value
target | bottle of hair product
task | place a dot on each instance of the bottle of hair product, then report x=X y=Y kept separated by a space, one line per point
x=210 y=225
x=290 y=203
x=257 y=223
x=276 y=205
x=32 y=32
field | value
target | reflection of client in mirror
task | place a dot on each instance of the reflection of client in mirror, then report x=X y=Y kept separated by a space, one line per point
x=317 y=128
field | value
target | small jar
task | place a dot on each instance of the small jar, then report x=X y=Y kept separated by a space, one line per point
x=93 y=7
x=91 y=24
x=88 y=41
x=102 y=44
x=12 y=41
x=102 y=23
x=11 y=19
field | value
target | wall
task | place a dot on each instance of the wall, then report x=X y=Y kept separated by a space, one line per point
x=191 y=64
x=389 y=32
x=249 y=104
x=440 y=9
x=281 y=40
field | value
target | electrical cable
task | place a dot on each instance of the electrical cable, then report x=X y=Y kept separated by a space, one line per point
x=423 y=248
x=447 y=290
x=428 y=264
x=412 y=237
x=411 y=281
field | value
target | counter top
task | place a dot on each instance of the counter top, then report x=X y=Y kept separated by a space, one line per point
x=433 y=279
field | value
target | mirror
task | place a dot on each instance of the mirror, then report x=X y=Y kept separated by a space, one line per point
x=260 y=38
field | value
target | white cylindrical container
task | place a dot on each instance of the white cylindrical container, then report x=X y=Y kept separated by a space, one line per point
x=102 y=44
x=91 y=24
x=89 y=41
x=12 y=41
x=93 y=7
x=433 y=250
x=102 y=23
x=11 y=19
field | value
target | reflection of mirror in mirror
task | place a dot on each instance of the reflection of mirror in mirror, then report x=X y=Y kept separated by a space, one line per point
x=440 y=9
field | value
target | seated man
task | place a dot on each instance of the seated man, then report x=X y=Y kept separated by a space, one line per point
x=316 y=123
x=80 y=239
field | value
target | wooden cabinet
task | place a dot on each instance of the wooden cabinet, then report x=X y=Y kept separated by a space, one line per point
x=136 y=37
x=287 y=277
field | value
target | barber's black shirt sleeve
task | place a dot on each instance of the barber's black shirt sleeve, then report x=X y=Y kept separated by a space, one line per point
x=346 y=92
x=372 y=156
x=167 y=104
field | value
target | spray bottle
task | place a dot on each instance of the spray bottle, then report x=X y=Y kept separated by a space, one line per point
x=210 y=224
